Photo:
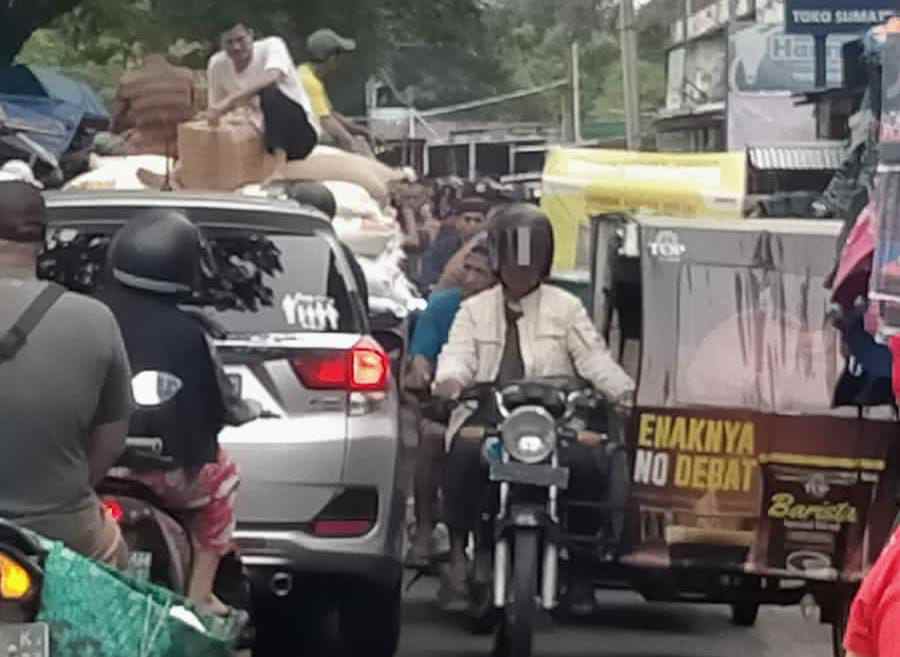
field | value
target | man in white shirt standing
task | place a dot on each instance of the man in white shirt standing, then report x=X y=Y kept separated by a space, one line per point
x=261 y=75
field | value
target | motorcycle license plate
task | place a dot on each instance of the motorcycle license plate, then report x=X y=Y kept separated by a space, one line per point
x=236 y=384
x=25 y=640
x=530 y=475
x=139 y=564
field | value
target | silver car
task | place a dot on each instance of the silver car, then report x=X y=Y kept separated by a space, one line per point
x=320 y=507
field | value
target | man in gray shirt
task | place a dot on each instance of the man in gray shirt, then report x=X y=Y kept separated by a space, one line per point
x=65 y=396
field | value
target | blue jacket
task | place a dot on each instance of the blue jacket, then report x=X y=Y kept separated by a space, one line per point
x=433 y=327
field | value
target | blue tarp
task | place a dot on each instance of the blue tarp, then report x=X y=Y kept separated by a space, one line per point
x=60 y=87
x=58 y=119
x=46 y=83
x=48 y=107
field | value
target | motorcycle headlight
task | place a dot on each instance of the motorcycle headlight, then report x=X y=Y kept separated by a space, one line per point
x=529 y=434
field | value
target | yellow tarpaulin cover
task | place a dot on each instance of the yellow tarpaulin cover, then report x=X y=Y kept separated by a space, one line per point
x=579 y=183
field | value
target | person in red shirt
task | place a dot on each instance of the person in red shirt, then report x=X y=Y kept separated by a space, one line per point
x=873 y=629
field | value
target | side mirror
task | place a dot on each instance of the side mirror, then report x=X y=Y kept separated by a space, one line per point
x=150 y=388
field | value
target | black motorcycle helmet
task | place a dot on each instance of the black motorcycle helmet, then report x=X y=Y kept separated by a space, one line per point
x=521 y=235
x=157 y=251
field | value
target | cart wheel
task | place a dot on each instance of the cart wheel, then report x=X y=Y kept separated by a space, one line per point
x=744 y=614
x=839 y=626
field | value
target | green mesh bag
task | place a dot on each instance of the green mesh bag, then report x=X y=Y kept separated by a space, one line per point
x=95 y=611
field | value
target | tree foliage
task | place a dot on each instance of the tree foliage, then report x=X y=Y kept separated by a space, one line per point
x=435 y=52
x=20 y=18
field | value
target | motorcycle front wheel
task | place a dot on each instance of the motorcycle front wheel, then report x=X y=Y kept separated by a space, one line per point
x=515 y=636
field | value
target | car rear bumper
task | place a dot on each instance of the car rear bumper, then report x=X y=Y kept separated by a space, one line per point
x=269 y=553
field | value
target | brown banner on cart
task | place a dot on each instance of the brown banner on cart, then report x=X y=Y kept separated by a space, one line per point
x=810 y=497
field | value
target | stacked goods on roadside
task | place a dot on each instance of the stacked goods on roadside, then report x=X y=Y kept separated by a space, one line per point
x=151 y=102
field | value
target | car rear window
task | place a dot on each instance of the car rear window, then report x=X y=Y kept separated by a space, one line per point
x=309 y=294
x=252 y=282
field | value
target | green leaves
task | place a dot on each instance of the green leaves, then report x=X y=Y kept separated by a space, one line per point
x=444 y=51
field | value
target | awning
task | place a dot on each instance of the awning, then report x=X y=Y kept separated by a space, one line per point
x=824 y=156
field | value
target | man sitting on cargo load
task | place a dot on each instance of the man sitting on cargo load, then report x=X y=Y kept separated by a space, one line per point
x=261 y=74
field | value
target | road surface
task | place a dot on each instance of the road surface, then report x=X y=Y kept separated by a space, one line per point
x=626 y=627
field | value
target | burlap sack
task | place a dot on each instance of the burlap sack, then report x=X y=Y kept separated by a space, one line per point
x=154 y=99
x=152 y=141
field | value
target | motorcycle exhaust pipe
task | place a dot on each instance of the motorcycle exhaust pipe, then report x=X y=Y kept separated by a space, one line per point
x=281 y=584
x=551 y=577
x=501 y=566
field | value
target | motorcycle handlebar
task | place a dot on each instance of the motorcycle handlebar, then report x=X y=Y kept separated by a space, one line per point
x=561 y=395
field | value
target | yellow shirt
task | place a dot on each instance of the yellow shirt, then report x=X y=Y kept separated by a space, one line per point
x=318 y=96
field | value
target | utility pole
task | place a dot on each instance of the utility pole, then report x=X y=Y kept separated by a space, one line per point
x=630 y=75
x=576 y=94
x=565 y=111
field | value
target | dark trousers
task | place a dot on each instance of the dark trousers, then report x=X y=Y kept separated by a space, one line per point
x=287 y=124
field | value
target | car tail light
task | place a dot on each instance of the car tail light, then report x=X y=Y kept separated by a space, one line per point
x=364 y=368
x=115 y=509
x=15 y=580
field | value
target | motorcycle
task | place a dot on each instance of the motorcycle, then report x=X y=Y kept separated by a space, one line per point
x=527 y=532
x=159 y=544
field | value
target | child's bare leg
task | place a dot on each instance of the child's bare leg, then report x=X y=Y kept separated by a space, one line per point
x=203 y=578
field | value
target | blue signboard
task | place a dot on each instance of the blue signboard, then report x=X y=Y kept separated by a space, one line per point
x=822 y=17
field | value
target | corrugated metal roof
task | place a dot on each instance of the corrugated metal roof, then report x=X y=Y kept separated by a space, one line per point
x=824 y=156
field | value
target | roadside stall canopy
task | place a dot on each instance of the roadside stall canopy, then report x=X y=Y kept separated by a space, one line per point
x=580 y=183
x=46 y=83
x=47 y=108
x=51 y=124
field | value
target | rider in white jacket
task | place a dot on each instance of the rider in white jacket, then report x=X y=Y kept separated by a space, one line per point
x=520 y=329
x=557 y=338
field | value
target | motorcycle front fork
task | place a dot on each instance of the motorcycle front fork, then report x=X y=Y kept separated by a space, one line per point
x=549 y=584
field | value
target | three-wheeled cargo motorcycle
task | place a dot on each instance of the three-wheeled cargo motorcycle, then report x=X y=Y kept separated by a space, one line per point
x=749 y=486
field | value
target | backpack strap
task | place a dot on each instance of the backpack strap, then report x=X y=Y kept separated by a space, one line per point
x=16 y=337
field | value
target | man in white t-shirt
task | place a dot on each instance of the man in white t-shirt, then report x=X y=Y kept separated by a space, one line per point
x=261 y=74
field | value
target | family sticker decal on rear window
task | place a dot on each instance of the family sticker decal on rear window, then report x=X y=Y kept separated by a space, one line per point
x=312 y=313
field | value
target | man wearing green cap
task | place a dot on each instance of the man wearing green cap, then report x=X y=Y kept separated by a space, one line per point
x=324 y=48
